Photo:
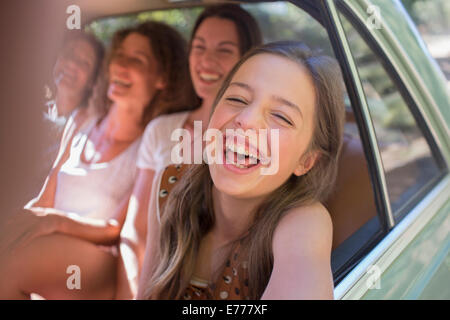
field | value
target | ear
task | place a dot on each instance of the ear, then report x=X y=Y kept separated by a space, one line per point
x=307 y=161
x=161 y=83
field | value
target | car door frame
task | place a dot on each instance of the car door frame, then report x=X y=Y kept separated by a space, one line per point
x=400 y=233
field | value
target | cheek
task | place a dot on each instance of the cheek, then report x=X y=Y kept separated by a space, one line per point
x=192 y=63
x=290 y=151
x=58 y=66
x=220 y=117
x=229 y=63
x=192 y=60
x=84 y=76
x=142 y=79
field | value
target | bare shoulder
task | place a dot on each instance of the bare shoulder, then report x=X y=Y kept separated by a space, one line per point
x=307 y=227
x=302 y=255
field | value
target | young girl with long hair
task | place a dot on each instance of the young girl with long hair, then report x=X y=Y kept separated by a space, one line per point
x=226 y=231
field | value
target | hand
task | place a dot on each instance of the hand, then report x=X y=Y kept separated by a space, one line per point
x=98 y=231
x=20 y=228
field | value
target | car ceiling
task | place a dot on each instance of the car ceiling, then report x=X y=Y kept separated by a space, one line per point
x=92 y=10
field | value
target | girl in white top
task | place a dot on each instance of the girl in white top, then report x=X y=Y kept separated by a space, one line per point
x=76 y=69
x=93 y=176
x=221 y=35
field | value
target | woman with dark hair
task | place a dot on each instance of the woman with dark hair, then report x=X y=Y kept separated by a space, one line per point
x=229 y=231
x=75 y=72
x=221 y=35
x=86 y=195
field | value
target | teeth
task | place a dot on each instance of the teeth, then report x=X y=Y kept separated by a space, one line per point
x=209 y=77
x=240 y=150
x=121 y=82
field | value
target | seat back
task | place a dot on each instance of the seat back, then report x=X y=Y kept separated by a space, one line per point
x=352 y=203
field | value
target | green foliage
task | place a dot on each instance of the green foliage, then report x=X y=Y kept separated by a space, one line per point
x=278 y=21
x=432 y=16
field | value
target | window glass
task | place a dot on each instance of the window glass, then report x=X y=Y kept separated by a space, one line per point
x=278 y=21
x=407 y=159
x=433 y=23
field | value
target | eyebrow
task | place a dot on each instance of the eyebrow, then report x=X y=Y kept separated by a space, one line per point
x=142 y=53
x=275 y=97
x=242 y=85
x=289 y=104
x=227 y=42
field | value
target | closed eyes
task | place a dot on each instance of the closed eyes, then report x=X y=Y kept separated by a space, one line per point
x=242 y=102
x=283 y=118
x=236 y=100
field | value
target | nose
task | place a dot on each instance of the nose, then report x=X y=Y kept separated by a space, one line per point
x=73 y=59
x=120 y=61
x=250 y=117
x=119 y=65
x=209 y=58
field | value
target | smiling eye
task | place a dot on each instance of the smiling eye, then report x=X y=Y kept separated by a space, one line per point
x=223 y=50
x=198 y=47
x=236 y=100
x=137 y=60
x=279 y=116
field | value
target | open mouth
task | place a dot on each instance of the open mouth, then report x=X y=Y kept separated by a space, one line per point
x=209 y=77
x=120 y=82
x=241 y=157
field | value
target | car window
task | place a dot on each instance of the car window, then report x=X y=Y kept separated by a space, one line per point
x=409 y=164
x=277 y=21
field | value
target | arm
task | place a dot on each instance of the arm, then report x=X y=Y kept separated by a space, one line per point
x=37 y=222
x=97 y=231
x=133 y=236
x=46 y=197
x=152 y=241
x=302 y=253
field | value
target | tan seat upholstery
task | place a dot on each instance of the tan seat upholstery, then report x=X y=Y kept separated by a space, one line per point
x=352 y=203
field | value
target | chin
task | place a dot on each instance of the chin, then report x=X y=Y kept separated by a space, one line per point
x=115 y=97
x=232 y=186
x=207 y=92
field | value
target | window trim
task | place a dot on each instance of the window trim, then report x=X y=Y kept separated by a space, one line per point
x=353 y=285
x=412 y=103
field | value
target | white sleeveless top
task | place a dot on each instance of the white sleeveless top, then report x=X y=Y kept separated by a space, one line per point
x=94 y=190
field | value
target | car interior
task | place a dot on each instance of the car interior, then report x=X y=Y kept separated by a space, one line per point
x=410 y=160
x=352 y=205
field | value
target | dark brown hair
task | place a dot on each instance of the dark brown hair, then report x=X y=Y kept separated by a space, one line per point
x=170 y=51
x=99 y=52
x=189 y=215
x=247 y=27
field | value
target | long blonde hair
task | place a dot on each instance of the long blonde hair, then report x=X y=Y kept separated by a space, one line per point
x=188 y=214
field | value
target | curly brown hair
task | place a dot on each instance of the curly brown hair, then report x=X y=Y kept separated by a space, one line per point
x=170 y=51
